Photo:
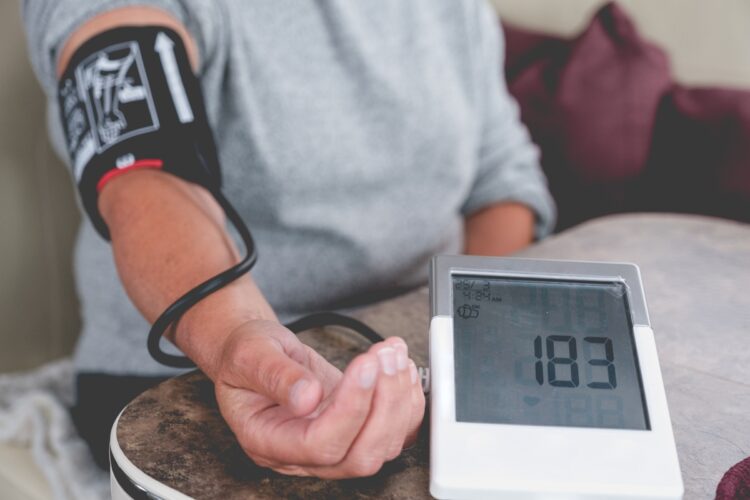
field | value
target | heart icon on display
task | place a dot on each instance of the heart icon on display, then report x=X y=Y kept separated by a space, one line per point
x=531 y=401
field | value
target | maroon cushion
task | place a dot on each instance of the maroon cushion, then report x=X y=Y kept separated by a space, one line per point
x=735 y=485
x=700 y=157
x=617 y=134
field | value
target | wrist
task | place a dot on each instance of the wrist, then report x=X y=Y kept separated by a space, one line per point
x=204 y=331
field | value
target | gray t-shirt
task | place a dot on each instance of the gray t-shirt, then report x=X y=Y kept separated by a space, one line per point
x=354 y=138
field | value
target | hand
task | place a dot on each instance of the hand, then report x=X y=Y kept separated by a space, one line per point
x=297 y=414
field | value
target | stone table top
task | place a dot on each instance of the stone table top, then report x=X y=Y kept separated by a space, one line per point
x=696 y=275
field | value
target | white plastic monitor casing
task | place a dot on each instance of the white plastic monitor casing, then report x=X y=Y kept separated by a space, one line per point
x=503 y=461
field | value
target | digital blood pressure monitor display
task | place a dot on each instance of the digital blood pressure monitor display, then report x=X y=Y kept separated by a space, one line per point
x=545 y=383
x=545 y=352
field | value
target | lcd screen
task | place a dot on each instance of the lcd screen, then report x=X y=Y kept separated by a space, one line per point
x=545 y=352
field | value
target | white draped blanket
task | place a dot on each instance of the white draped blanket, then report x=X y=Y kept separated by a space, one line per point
x=34 y=413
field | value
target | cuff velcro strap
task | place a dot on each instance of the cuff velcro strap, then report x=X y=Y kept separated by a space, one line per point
x=130 y=100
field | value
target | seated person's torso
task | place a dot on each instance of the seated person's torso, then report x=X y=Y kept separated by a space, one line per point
x=348 y=136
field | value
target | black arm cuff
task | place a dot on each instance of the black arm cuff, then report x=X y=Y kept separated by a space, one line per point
x=130 y=99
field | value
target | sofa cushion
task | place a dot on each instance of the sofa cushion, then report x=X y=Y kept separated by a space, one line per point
x=618 y=134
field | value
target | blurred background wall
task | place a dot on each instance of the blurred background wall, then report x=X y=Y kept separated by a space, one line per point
x=38 y=216
x=708 y=42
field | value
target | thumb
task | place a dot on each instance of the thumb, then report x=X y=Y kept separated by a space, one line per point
x=269 y=370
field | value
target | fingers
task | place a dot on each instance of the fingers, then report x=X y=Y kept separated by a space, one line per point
x=274 y=438
x=384 y=431
x=369 y=413
x=330 y=436
x=262 y=365
x=417 y=406
x=402 y=401
x=284 y=443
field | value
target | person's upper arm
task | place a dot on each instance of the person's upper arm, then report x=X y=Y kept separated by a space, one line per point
x=124 y=16
x=52 y=24
x=56 y=28
x=508 y=162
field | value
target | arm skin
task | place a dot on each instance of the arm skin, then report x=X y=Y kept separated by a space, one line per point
x=289 y=408
x=500 y=229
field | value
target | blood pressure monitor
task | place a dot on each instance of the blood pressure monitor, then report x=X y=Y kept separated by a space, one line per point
x=545 y=383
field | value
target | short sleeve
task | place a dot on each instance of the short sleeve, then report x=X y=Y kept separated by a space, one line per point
x=49 y=23
x=508 y=162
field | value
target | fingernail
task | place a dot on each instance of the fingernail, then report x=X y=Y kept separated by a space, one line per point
x=402 y=359
x=368 y=372
x=413 y=372
x=387 y=357
x=298 y=389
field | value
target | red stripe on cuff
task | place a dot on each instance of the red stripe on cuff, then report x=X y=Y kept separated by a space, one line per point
x=145 y=163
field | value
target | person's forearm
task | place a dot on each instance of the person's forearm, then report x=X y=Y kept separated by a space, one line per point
x=167 y=234
x=289 y=408
x=167 y=237
x=499 y=229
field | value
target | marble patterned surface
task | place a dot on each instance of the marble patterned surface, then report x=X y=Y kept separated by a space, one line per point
x=696 y=274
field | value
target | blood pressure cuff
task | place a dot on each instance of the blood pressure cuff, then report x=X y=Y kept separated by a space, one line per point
x=129 y=100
